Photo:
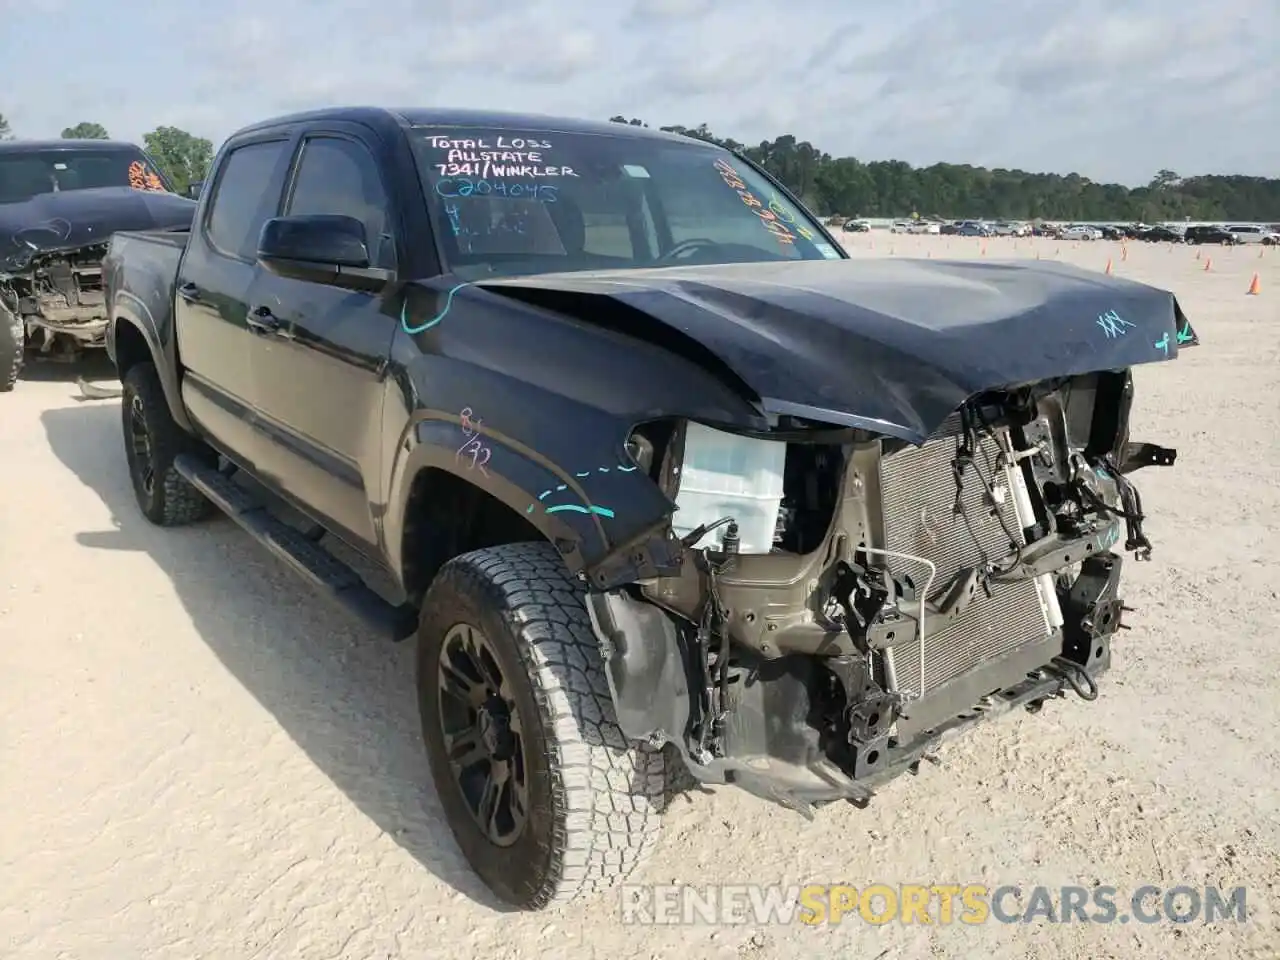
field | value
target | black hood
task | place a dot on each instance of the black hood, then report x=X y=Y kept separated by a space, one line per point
x=70 y=219
x=891 y=345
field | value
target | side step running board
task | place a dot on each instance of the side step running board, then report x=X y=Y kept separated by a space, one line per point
x=323 y=570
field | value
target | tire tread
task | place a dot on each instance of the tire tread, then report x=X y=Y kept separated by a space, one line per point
x=176 y=502
x=611 y=790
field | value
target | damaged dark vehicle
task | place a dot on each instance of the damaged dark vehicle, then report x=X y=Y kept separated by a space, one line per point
x=659 y=474
x=60 y=201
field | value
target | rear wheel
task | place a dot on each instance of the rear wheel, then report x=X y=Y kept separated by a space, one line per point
x=152 y=439
x=12 y=345
x=542 y=791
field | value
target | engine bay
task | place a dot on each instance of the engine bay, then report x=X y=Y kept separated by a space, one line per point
x=843 y=597
x=60 y=299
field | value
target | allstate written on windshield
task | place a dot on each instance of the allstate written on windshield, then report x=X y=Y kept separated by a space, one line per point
x=499 y=156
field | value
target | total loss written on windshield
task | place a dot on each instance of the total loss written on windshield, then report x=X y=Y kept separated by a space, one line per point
x=550 y=201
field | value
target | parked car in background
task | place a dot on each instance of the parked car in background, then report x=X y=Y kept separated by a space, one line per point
x=60 y=201
x=1046 y=230
x=949 y=229
x=973 y=228
x=1162 y=234
x=856 y=226
x=1080 y=231
x=900 y=226
x=1248 y=233
x=1209 y=234
x=1110 y=231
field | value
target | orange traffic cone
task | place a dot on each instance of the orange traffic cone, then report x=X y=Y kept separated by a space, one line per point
x=1108 y=270
x=1124 y=252
x=1255 y=286
x=1207 y=264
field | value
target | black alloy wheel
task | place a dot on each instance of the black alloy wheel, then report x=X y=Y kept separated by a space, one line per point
x=141 y=463
x=483 y=734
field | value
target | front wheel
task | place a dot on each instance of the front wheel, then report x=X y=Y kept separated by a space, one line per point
x=542 y=791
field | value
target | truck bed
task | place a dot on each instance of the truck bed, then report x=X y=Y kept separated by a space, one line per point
x=139 y=272
x=167 y=238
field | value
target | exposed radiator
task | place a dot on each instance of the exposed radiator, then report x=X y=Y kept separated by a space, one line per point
x=919 y=492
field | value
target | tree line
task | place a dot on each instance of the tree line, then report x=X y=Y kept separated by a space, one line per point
x=884 y=188
x=183 y=157
x=892 y=188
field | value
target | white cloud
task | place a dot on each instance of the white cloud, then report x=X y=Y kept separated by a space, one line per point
x=1114 y=89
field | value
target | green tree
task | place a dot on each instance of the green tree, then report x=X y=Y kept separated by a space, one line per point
x=6 y=132
x=183 y=157
x=86 y=131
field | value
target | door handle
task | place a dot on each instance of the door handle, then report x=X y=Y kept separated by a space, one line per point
x=262 y=321
x=189 y=292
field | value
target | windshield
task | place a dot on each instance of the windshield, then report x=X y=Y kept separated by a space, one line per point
x=25 y=174
x=511 y=202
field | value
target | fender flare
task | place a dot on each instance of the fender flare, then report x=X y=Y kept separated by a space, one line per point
x=558 y=502
x=129 y=309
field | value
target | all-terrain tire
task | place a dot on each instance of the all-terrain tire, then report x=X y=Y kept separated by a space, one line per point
x=594 y=798
x=168 y=500
x=12 y=347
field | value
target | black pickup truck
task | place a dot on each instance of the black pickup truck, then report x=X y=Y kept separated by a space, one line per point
x=662 y=476
x=60 y=201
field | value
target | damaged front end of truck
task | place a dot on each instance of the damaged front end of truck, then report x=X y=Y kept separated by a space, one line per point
x=59 y=205
x=58 y=296
x=827 y=602
x=906 y=591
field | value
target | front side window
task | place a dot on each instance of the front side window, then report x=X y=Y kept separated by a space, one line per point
x=339 y=176
x=245 y=195
x=508 y=202
x=28 y=173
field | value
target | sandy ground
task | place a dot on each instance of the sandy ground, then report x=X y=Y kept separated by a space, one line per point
x=199 y=759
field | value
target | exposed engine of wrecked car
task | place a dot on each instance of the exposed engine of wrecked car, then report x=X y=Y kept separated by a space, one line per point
x=851 y=598
x=59 y=298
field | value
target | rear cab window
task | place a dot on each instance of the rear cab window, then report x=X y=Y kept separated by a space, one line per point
x=507 y=201
x=245 y=195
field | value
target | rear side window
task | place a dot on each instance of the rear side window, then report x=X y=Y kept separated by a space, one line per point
x=244 y=197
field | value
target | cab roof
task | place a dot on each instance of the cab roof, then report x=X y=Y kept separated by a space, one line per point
x=381 y=117
x=43 y=146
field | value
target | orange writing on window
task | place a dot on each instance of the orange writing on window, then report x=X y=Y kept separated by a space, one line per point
x=140 y=178
x=771 y=222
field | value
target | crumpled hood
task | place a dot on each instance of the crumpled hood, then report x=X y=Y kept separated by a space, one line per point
x=891 y=345
x=70 y=219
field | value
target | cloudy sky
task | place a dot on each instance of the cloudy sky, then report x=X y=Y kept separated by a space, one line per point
x=1113 y=89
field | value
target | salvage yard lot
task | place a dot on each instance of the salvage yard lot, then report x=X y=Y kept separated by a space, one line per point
x=198 y=758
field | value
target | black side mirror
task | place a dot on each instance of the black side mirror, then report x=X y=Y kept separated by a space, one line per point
x=321 y=248
x=195 y=189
